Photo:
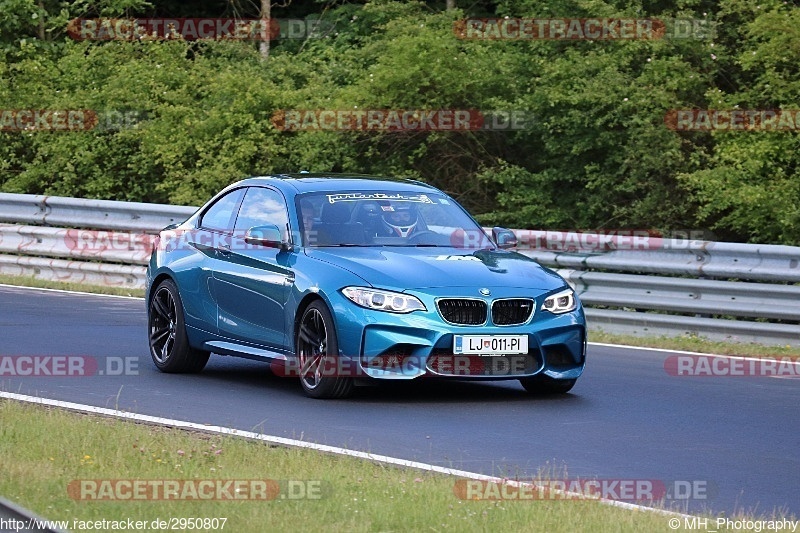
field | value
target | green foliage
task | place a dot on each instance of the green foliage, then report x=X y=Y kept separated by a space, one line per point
x=750 y=188
x=595 y=154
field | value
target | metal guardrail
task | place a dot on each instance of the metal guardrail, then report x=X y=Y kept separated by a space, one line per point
x=76 y=244
x=665 y=287
x=39 y=210
x=682 y=295
x=762 y=262
x=110 y=275
x=698 y=289
x=113 y=255
x=619 y=303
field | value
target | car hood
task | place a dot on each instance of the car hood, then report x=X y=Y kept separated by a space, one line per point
x=417 y=268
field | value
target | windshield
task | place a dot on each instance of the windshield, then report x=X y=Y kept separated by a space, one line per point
x=386 y=218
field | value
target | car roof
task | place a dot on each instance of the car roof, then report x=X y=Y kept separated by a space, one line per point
x=318 y=182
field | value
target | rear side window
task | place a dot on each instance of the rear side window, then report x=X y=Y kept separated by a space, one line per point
x=262 y=206
x=220 y=215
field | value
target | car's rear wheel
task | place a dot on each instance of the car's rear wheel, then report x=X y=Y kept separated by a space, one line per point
x=317 y=350
x=544 y=385
x=169 y=344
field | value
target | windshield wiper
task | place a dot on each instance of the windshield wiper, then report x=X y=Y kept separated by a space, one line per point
x=409 y=245
x=343 y=244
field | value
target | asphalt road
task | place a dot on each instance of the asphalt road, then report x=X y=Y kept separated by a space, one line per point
x=737 y=439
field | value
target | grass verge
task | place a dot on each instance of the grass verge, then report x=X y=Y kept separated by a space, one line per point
x=694 y=343
x=42 y=450
x=30 y=281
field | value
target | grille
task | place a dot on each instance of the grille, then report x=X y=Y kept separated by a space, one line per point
x=462 y=311
x=511 y=312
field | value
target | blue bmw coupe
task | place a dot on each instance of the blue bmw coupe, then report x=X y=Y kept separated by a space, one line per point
x=339 y=280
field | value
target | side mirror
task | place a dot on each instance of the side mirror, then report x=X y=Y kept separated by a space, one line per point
x=268 y=235
x=504 y=238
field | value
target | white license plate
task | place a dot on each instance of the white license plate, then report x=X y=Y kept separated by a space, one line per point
x=490 y=344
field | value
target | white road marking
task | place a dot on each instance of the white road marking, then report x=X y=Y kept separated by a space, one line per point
x=70 y=292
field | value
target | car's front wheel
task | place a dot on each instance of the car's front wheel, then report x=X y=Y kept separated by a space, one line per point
x=317 y=350
x=169 y=344
x=544 y=385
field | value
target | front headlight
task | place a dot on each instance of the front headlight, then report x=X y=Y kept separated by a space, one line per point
x=394 y=302
x=561 y=302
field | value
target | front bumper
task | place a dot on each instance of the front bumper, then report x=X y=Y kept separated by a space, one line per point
x=385 y=345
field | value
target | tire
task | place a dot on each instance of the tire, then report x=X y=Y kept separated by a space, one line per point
x=540 y=385
x=316 y=349
x=169 y=344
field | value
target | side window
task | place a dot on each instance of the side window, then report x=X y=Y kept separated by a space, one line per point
x=262 y=206
x=220 y=215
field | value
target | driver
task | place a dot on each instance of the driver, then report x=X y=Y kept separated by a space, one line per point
x=400 y=219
